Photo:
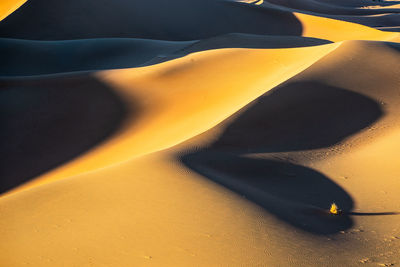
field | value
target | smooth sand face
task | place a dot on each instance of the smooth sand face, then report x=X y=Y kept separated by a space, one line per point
x=229 y=152
x=335 y=30
x=9 y=6
x=156 y=122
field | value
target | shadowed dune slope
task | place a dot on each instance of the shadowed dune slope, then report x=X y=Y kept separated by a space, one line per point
x=26 y=58
x=376 y=21
x=271 y=203
x=45 y=123
x=371 y=13
x=295 y=119
x=159 y=19
x=359 y=3
x=334 y=9
x=175 y=21
x=339 y=27
x=157 y=89
x=271 y=141
x=390 y=29
x=199 y=133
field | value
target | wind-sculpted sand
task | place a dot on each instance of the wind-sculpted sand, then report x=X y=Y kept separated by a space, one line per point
x=199 y=133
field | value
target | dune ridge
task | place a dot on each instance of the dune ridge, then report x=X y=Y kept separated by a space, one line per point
x=47 y=57
x=156 y=101
x=199 y=133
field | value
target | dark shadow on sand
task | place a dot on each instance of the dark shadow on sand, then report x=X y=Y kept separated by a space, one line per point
x=157 y=19
x=299 y=116
x=27 y=58
x=295 y=194
x=294 y=116
x=47 y=122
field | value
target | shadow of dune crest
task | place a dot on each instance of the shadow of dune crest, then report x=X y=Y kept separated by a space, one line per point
x=46 y=122
x=287 y=190
x=293 y=117
x=299 y=116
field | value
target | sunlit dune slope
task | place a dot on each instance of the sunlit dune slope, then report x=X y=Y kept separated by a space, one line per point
x=239 y=192
x=152 y=212
x=336 y=30
x=29 y=58
x=335 y=8
x=339 y=27
x=209 y=18
x=367 y=13
x=199 y=133
x=173 y=101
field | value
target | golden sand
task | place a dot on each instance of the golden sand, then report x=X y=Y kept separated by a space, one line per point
x=225 y=157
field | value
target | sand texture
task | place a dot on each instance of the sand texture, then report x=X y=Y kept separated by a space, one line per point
x=199 y=133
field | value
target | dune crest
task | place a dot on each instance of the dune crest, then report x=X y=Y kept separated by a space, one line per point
x=199 y=133
x=155 y=89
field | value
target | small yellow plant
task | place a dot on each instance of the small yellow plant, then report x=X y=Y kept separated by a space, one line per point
x=334 y=209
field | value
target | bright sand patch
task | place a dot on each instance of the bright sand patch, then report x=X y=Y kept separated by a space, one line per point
x=185 y=97
x=9 y=6
x=226 y=157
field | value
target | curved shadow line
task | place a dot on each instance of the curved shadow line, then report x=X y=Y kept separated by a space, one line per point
x=268 y=184
x=47 y=122
x=293 y=117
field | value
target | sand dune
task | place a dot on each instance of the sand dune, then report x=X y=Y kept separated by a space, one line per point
x=156 y=89
x=199 y=133
x=48 y=57
x=376 y=21
x=334 y=9
x=172 y=20
x=342 y=11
